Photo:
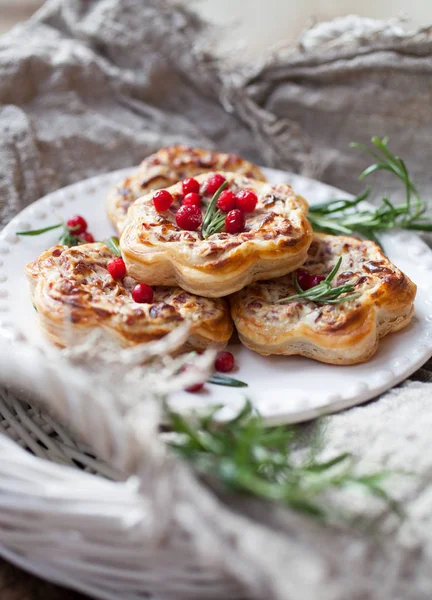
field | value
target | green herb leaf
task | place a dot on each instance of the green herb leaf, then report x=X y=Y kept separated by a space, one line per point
x=247 y=457
x=214 y=219
x=345 y=217
x=113 y=245
x=218 y=379
x=324 y=293
x=39 y=231
x=67 y=237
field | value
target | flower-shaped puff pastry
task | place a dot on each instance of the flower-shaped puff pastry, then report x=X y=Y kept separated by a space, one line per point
x=164 y=168
x=73 y=293
x=273 y=241
x=344 y=333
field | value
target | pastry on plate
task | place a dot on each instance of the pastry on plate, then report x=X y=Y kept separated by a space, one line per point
x=256 y=231
x=73 y=293
x=166 y=167
x=341 y=326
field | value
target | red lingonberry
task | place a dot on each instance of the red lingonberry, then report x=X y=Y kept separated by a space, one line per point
x=189 y=217
x=162 y=200
x=190 y=186
x=226 y=201
x=86 y=237
x=214 y=183
x=142 y=293
x=316 y=280
x=224 y=362
x=77 y=225
x=195 y=387
x=192 y=199
x=117 y=268
x=235 y=221
x=246 y=200
x=307 y=280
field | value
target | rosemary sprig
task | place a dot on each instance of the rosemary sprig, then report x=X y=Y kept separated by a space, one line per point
x=345 y=216
x=112 y=243
x=248 y=457
x=67 y=237
x=214 y=219
x=218 y=379
x=324 y=292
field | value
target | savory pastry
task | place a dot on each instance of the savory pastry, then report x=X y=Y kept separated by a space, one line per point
x=73 y=292
x=231 y=231
x=337 y=312
x=166 y=167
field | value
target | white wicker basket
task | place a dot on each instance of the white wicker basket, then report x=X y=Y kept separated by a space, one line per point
x=111 y=531
x=135 y=522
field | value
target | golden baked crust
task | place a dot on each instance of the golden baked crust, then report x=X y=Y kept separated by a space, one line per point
x=341 y=334
x=166 y=167
x=275 y=241
x=73 y=293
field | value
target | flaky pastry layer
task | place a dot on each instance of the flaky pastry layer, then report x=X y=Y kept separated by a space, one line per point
x=341 y=334
x=274 y=242
x=164 y=168
x=73 y=293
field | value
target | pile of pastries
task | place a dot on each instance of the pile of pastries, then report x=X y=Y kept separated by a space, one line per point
x=204 y=238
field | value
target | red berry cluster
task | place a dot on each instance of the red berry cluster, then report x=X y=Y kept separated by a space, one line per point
x=77 y=226
x=189 y=215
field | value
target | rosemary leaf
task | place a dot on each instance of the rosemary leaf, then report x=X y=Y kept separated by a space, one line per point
x=68 y=239
x=39 y=231
x=212 y=221
x=112 y=244
x=218 y=379
x=344 y=216
x=324 y=293
x=246 y=456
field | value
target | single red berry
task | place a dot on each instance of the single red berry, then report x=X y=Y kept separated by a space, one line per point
x=246 y=200
x=224 y=362
x=189 y=217
x=77 y=225
x=190 y=186
x=303 y=278
x=235 y=221
x=214 y=183
x=86 y=237
x=162 y=200
x=117 y=268
x=316 y=280
x=226 y=201
x=307 y=280
x=192 y=199
x=142 y=293
x=195 y=387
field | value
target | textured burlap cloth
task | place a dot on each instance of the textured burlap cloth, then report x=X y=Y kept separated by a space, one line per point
x=88 y=87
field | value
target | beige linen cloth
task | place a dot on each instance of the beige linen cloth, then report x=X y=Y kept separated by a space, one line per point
x=88 y=87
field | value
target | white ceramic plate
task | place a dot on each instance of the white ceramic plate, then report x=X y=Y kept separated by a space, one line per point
x=284 y=389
